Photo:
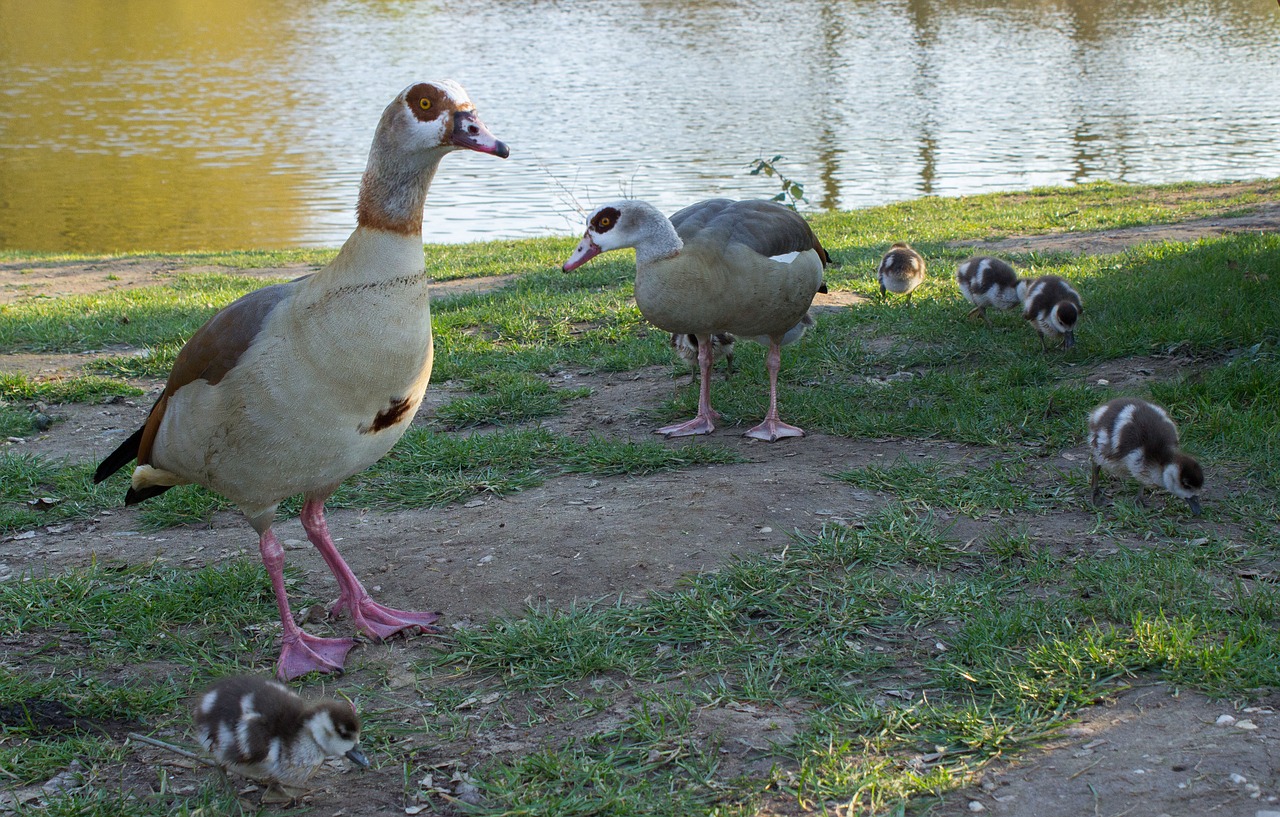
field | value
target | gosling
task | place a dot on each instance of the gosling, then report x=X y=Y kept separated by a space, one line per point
x=1134 y=438
x=686 y=346
x=987 y=282
x=1053 y=308
x=264 y=731
x=901 y=270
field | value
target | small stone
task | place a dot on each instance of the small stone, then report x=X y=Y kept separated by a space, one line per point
x=1246 y=724
x=1238 y=779
x=1225 y=720
x=1266 y=813
x=975 y=806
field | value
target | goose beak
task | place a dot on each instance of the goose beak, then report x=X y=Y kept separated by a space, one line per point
x=1069 y=340
x=586 y=250
x=357 y=757
x=470 y=133
x=1194 y=502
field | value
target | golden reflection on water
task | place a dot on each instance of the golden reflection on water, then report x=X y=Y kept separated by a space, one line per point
x=137 y=125
x=190 y=124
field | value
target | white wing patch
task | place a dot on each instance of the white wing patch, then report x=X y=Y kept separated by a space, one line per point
x=785 y=258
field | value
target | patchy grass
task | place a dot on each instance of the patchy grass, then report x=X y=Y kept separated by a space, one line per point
x=881 y=662
x=427 y=468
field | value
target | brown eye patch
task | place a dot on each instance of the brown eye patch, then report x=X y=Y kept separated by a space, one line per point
x=604 y=220
x=426 y=102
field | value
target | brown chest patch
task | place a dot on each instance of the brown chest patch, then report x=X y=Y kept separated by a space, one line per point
x=389 y=416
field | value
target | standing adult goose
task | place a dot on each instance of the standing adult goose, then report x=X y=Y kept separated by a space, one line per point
x=750 y=268
x=295 y=387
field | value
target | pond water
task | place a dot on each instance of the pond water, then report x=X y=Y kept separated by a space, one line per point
x=187 y=124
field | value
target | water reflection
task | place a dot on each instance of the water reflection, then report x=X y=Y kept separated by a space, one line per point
x=179 y=124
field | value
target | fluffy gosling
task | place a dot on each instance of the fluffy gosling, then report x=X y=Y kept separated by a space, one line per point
x=987 y=282
x=1134 y=438
x=686 y=346
x=901 y=270
x=1053 y=308
x=264 y=731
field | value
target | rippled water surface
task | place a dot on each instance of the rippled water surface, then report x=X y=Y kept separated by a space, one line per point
x=185 y=124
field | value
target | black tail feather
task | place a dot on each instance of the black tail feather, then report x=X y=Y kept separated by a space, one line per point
x=135 y=495
x=122 y=456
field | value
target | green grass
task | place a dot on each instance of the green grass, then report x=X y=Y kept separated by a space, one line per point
x=1006 y=486
x=885 y=661
x=88 y=389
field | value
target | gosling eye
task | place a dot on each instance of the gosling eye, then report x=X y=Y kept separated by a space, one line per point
x=424 y=103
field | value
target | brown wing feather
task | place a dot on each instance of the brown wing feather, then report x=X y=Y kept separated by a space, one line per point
x=210 y=353
x=765 y=226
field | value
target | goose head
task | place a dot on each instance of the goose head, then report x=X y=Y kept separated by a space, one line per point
x=1184 y=478
x=433 y=117
x=627 y=223
x=423 y=123
x=1063 y=320
x=335 y=728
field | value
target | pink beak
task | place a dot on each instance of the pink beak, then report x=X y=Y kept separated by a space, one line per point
x=585 y=251
x=469 y=132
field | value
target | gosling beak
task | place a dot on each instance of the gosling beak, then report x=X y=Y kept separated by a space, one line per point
x=357 y=757
x=470 y=133
x=1194 y=503
x=585 y=251
x=1069 y=339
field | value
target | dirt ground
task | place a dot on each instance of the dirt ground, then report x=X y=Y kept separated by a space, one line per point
x=1147 y=751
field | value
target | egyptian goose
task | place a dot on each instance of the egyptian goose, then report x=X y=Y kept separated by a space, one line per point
x=901 y=270
x=264 y=731
x=747 y=267
x=987 y=282
x=295 y=387
x=686 y=346
x=1053 y=308
x=1134 y=438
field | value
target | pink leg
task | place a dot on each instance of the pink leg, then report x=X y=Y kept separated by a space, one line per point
x=300 y=653
x=704 y=422
x=772 y=428
x=372 y=618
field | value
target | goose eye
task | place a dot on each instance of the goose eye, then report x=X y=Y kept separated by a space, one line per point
x=424 y=103
x=606 y=222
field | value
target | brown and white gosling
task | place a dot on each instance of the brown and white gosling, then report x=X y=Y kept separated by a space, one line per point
x=722 y=342
x=264 y=731
x=686 y=346
x=1131 y=437
x=987 y=282
x=1053 y=308
x=901 y=270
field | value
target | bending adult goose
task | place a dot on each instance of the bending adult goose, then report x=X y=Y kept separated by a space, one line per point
x=295 y=387
x=750 y=268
